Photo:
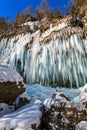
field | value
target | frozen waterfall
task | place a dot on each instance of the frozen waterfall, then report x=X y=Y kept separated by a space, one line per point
x=58 y=59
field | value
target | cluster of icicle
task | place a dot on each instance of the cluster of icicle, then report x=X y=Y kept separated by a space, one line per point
x=58 y=59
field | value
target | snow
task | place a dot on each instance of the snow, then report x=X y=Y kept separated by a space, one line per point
x=82 y=97
x=52 y=29
x=23 y=95
x=56 y=99
x=31 y=24
x=4 y=109
x=83 y=93
x=30 y=113
x=9 y=74
x=24 y=117
x=81 y=126
x=62 y=59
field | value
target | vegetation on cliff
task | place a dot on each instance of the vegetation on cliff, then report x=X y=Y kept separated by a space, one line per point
x=44 y=10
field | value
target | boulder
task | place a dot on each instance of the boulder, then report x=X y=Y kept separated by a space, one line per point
x=11 y=85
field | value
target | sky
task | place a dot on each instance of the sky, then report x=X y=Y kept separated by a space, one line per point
x=10 y=7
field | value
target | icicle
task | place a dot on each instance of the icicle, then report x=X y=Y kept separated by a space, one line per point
x=61 y=61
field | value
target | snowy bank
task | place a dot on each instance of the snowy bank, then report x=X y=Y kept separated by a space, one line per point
x=28 y=116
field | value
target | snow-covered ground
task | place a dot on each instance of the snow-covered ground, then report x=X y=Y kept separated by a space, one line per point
x=30 y=114
x=4 y=109
x=24 y=118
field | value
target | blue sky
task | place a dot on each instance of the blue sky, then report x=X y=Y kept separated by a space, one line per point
x=10 y=7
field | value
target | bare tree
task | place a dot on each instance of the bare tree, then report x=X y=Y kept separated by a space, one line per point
x=27 y=10
x=45 y=5
x=72 y=3
x=7 y=21
x=76 y=5
x=43 y=10
x=39 y=13
x=56 y=13
x=17 y=16
x=2 y=23
x=64 y=9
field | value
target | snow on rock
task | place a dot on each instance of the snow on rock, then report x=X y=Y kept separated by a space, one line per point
x=83 y=93
x=81 y=126
x=11 y=85
x=24 y=96
x=28 y=116
x=82 y=97
x=55 y=28
x=21 y=100
x=9 y=74
x=30 y=24
x=57 y=98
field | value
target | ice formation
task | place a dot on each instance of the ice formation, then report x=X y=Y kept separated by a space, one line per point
x=57 y=57
x=41 y=92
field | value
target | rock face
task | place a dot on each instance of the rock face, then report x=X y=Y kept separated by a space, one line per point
x=11 y=85
x=62 y=114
